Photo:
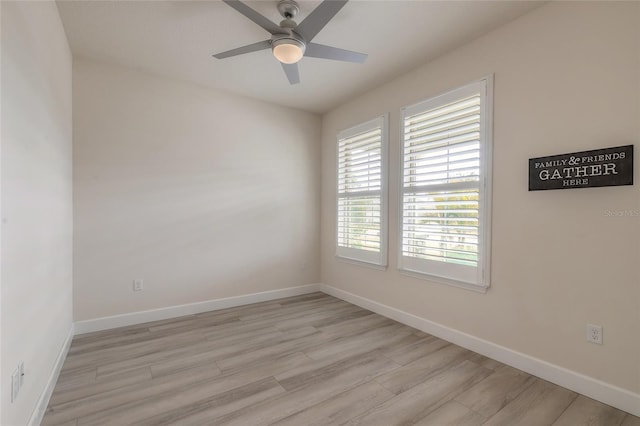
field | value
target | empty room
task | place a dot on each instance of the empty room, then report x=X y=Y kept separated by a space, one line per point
x=319 y=212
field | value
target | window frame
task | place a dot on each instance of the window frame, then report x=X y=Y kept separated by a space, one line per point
x=374 y=259
x=435 y=271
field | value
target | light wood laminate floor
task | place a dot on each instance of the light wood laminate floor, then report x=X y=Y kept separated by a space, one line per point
x=305 y=360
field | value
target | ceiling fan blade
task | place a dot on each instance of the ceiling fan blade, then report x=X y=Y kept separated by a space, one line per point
x=261 y=45
x=265 y=23
x=315 y=50
x=291 y=70
x=317 y=19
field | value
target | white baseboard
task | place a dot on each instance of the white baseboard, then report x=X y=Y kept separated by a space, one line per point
x=140 y=317
x=45 y=396
x=604 y=392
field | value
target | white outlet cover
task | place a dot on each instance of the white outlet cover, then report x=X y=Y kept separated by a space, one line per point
x=594 y=333
x=138 y=285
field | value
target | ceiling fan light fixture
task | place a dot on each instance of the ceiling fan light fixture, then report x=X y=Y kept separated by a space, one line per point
x=288 y=50
x=289 y=40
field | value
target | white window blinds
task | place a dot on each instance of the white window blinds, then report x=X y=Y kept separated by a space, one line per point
x=361 y=203
x=443 y=194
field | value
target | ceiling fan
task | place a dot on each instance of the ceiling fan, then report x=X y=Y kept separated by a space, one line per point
x=291 y=41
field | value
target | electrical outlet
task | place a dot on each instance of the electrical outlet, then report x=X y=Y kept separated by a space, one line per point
x=138 y=285
x=594 y=333
x=15 y=384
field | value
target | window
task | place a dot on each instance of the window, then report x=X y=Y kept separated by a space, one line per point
x=445 y=197
x=361 y=193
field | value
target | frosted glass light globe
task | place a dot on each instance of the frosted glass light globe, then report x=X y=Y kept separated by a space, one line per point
x=288 y=51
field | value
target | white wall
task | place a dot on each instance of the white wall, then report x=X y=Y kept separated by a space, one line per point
x=567 y=78
x=36 y=199
x=202 y=194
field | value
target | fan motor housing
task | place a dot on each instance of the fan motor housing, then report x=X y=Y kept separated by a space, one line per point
x=288 y=40
x=291 y=37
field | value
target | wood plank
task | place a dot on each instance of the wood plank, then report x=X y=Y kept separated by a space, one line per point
x=293 y=341
x=353 y=327
x=311 y=373
x=423 y=347
x=115 y=381
x=132 y=350
x=321 y=317
x=540 y=403
x=294 y=310
x=486 y=362
x=207 y=398
x=196 y=323
x=418 y=371
x=91 y=404
x=418 y=402
x=72 y=379
x=309 y=297
x=364 y=342
x=339 y=319
x=452 y=413
x=204 y=359
x=496 y=391
x=109 y=341
x=219 y=349
x=171 y=384
x=631 y=420
x=340 y=408
x=585 y=411
x=302 y=394
x=69 y=423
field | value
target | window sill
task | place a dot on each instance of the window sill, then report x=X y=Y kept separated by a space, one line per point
x=361 y=263
x=444 y=281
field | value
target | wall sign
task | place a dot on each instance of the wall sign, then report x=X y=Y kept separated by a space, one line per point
x=586 y=169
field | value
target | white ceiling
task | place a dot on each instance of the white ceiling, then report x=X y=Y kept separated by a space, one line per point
x=177 y=38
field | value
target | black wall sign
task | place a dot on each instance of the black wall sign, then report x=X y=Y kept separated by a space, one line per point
x=586 y=169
